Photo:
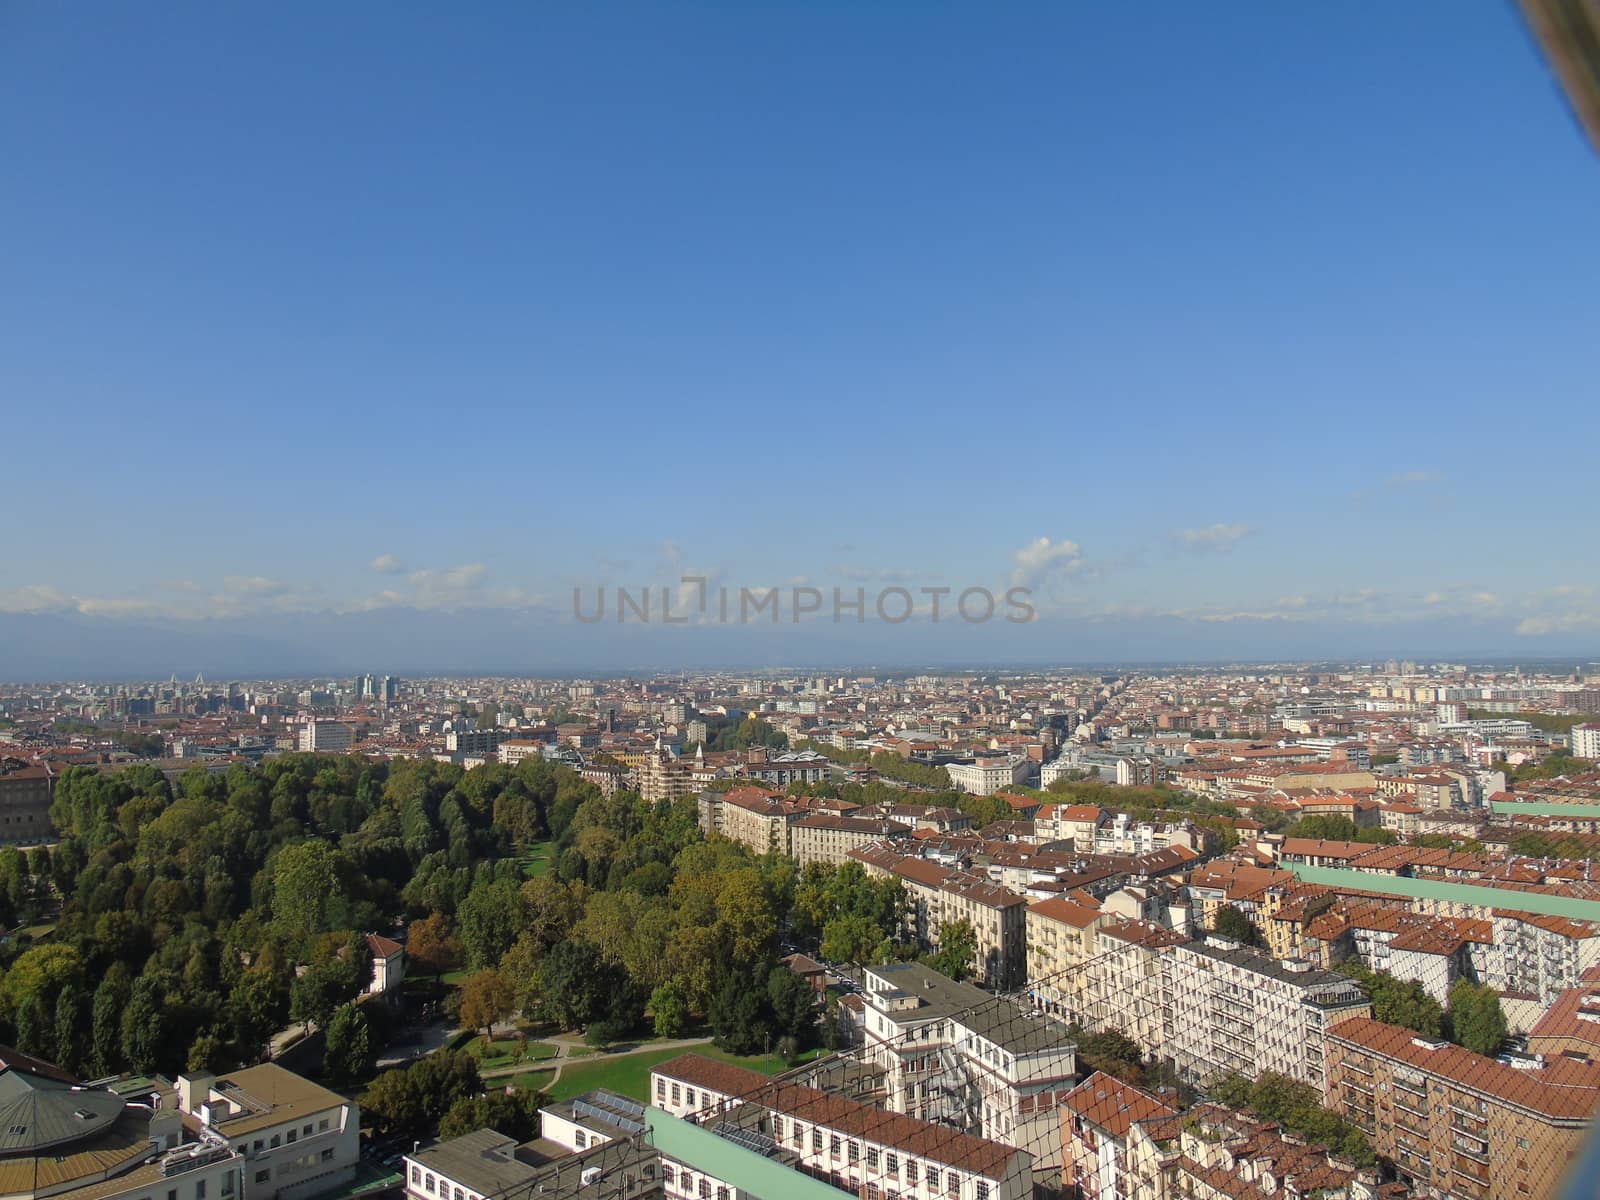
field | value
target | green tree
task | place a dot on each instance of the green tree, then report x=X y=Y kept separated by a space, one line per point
x=1231 y=922
x=110 y=999
x=350 y=1050
x=36 y=1033
x=145 y=1028
x=489 y=921
x=1476 y=1019
x=413 y=1100
x=72 y=1028
x=669 y=1009
x=958 y=947
x=515 y=1115
x=794 y=1006
x=307 y=896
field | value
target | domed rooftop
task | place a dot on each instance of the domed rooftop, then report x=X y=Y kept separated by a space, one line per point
x=42 y=1107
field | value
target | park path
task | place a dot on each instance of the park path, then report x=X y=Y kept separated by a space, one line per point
x=565 y=1043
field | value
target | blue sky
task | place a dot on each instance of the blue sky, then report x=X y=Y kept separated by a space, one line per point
x=1274 y=317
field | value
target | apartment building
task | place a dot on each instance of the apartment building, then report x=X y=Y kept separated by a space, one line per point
x=68 y=1140
x=954 y=1054
x=1123 y=1142
x=984 y=775
x=326 y=737
x=1586 y=741
x=513 y=750
x=298 y=1139
x=473 y=741
x=1077 y=823
x=1455 y=1123
x=825 y=838
x=1126 y=985
x=1099 y=1139
x=25 y=792
x=856 y=1147
x=1232 y=1009
x=938 y=895
x=1060 y=939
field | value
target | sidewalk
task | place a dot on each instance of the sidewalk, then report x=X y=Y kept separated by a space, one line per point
x=565 y=1043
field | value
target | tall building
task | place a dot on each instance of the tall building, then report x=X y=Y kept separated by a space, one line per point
x=1586 y=741
x=1236 y=1010
x=326 y=737
x=1455 y=1123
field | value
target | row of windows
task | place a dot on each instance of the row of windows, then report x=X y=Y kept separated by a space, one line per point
x=291 y=1137
x=225 y=1189
x=445 y=1190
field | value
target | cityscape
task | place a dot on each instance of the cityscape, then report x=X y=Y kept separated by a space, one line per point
x=791 y=601
x=1302 y=929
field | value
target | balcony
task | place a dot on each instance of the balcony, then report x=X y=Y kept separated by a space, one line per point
x=1477 y=1149
x=1417 y=1106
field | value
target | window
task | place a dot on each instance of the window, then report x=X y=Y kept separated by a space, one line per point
x=872 y=1157
x=199 y=1189
x=722 y=1193
x=416 y=1174
x=705 y=1188
x=688 y=1096
x=327 y=1156
x=911 y=1171
x=580 y=1139
x=258 y=1145
x=854 y=1151
x=980 y=1189
x=675 y=1093
x=306 y=1132
x=661 y=1088
x=263 y=1176
x=667 y=1176
x=933 y=1179
x=276 y=1141
x=322 y=1125
x=227 y=1184
x=834 y=1142
x=428 y=1183
x=816 y=1141
x=892 y=1162
x=291 y=1136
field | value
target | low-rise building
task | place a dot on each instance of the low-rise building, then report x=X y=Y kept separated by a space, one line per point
x=848 y=1144
x=298 y=1139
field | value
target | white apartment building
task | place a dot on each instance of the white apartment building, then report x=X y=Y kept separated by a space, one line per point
x=853 y=1146
x=954 y=1054
x=1232 y=1009
x=986 y=775
x=298 y=1138
x=1586 y=741
x=326 y=737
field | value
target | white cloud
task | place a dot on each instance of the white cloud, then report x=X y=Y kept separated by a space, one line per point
x=1218 y=538
x=387 y=564
x=1042 y=556
x=35 y=598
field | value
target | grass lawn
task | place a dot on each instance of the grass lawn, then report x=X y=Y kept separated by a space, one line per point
x=502 y=1052
x=534 y=859
x=630 y=1074
x=533 y=1081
